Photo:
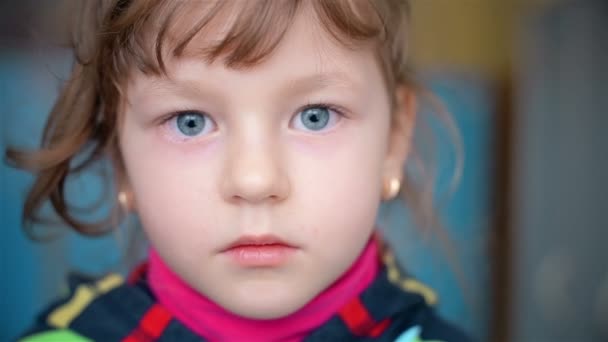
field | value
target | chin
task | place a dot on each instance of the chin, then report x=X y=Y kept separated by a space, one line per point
x=261 y=307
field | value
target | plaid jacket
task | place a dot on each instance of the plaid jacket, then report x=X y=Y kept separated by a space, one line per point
x=392 y=308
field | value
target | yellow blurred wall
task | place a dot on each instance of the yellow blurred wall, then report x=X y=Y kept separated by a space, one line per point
x=467 y=34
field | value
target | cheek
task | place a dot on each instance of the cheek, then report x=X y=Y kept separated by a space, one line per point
x=173 y=194
x=341 y=186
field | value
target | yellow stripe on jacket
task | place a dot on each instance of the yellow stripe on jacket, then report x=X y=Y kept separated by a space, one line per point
x=83 y=296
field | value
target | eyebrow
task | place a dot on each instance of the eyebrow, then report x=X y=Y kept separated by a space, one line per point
x=293 y=87
x=187 y=87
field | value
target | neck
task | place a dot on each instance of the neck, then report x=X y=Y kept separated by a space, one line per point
x=213 y=322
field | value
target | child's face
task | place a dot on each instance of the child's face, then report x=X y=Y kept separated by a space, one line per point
x=249 y=159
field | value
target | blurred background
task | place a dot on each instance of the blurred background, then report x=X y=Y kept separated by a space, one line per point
x=527 y=84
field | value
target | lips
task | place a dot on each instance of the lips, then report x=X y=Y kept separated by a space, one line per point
x=259 y=251
x=258 y=240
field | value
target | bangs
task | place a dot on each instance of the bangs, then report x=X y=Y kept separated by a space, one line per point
x=144 y=33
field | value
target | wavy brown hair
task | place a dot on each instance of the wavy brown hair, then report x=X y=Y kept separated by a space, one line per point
x=111 y=38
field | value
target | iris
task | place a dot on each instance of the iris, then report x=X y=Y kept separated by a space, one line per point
x=190 y=124
x=315 y=118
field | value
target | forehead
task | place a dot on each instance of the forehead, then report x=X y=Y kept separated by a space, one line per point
x=288 y=40
x=242 y=33
x=245 y=32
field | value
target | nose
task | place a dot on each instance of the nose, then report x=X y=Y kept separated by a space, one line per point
x=254 y=173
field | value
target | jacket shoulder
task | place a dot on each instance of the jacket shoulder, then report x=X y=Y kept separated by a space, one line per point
x=106 y=308
x=412 y=308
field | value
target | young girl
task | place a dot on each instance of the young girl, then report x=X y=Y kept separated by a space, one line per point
x=255 y=141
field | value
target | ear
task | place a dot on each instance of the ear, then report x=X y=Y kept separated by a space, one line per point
x=401 y=132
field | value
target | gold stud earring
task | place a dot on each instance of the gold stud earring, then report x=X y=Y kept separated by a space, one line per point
x=392 y=188
x=125 y=200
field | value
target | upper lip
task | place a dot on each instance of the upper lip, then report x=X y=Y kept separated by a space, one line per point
x=257 y=240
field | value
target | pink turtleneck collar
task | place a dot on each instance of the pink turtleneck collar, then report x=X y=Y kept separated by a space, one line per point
x=214 y=323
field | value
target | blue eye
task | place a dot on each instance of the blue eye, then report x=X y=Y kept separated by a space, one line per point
x=316 y=118
x=190 y=123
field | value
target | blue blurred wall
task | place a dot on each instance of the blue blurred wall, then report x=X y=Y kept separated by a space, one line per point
x=34 y=273
x=29 y=273
x=459 y=272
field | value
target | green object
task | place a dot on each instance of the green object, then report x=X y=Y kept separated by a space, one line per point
x=62 y=335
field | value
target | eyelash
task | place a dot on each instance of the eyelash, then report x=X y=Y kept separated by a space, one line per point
x=323 y=105
x=174 y=115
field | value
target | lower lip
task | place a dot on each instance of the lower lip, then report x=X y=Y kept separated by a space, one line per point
x=261 y=255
